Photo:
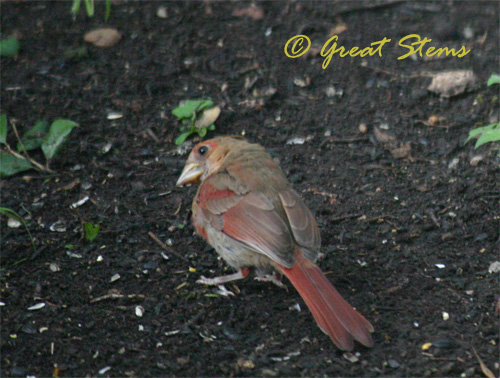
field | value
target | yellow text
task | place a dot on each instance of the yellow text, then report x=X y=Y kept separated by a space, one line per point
x=354 y=51
x=417 y=46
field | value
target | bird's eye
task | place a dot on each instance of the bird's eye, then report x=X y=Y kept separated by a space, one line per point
x=203 y=150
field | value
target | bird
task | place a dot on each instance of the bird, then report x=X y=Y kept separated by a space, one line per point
x=247 y=210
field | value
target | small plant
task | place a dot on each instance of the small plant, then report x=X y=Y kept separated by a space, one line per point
x=9 y=213
x=49 y=138
x=489 y=133
x=91 y=231
x=9 y=47
x=196 y=116
x=89 y=7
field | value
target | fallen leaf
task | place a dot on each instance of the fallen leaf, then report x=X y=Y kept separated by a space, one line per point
x=453 y=83
x=104 y=37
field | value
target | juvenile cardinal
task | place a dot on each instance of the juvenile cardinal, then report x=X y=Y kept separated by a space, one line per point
x=247 y=210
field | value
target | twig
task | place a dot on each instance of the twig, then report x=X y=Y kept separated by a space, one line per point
x=431 y=356
x=433 y=218
x=348 y=216
x=116 y=295
x=486 y=371
x=166 y=247
x=14 y=153
x=34 y=162
x=152 y=135
x=347 y=140
x=376 y=218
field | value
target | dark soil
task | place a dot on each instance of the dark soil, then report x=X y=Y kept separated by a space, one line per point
x=385 y=221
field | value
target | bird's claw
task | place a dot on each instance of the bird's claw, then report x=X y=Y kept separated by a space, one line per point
x=275 y=279
x=206 y=281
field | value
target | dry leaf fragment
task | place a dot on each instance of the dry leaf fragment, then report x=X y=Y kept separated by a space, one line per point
x=103 y=37
x=486 y=371
x=399 y=150
x=452 y=83
x=382 y=136
x=208 y=117
x=337 y=29
x=402 y=151
x=253 y=11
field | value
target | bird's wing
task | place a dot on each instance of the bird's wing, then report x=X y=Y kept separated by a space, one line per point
x=302 y=223
x=250 y=218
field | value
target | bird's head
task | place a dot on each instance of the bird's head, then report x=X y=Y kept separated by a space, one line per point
x=206 y=158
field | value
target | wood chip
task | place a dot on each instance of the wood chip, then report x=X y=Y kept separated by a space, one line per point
x=104 y=37
x=453 y=83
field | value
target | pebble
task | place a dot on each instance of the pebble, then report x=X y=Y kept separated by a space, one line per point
x=476 y=160
x=54 y=267
x=139 y=311
x=453 y=163
x=268 y=373
x=59 y=226
x=350 y=357
x=494 y=267
x=104 y=370
x=13 y=223
x=161 y=12
x=442 y=344
x=37 y=306
x=246 y=364
x=18 y=371
x=29 y=330
x=393 y=364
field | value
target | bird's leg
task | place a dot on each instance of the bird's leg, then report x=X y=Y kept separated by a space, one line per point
x=273 y=277
x=243 y=273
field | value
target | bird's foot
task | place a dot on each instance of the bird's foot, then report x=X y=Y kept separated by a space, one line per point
x=275 y=278
x=224 y=279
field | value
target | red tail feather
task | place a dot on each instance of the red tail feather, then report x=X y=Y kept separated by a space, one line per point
x=337 y=318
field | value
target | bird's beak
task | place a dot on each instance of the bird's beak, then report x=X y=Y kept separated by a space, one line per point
x=190 y=174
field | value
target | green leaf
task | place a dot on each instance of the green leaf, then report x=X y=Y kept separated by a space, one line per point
x=211 y=127
x=202 y=132
x=188 y=108
x=485 y=134
x=9 y=213
x=58 y=134
x=3 y=128
x=490 y=135
x=89 y=7
x=108 y=10
x=76 y=54
x=181 y=138
x=494 y=79
x=33 y=138
x=10 y=165
x=9 y=47
x=91 y=231
x=204 y=105
x=75 y=7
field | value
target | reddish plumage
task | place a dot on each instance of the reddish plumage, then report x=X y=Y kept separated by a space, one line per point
x=246 y=209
